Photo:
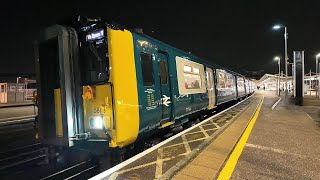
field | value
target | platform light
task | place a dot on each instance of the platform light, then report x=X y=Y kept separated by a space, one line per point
x=277 y=58
x=276 y=27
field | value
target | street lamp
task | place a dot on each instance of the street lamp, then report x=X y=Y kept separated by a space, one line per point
x=276 y=27
x=278 y=87
x=18 y=79
x=317 y=82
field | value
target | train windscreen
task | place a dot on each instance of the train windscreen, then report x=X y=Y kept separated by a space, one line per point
x=94 y=58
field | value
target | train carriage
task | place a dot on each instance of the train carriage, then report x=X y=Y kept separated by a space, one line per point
x=100 y=84
x=241 y=92
x=247 y=87
x=226 y=86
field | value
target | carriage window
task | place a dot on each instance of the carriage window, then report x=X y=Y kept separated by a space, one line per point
x=229 y=81
x=196 y=70
x=221 y=79
x=192 y=79
x=191 y=76
x=187 y=69
x=240 y=83
x=147 y=69
x=163 y=72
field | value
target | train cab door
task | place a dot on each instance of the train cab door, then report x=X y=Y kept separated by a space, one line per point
x=165 y=90
x=210 y=88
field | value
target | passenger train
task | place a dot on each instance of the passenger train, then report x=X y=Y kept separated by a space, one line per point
x=103 y=87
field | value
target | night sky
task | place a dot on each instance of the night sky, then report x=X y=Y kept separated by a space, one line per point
x=234 y=34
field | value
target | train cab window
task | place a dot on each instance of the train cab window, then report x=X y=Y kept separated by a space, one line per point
x=163 y=72
x=94 y=61
x=147 y=69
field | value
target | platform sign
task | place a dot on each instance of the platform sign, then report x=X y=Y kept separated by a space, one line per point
x=298 y=57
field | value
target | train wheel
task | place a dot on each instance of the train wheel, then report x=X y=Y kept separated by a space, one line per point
x=199 y=119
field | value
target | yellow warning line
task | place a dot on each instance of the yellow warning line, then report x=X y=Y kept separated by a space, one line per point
x=227 y=170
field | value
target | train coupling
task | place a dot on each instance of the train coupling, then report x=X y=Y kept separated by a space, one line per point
x=82 y=136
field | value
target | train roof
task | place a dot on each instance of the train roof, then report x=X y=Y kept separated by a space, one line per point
x=86 y=24
x=190 y=55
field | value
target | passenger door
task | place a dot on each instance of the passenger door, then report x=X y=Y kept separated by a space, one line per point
x=210 y=88
x=165 y=90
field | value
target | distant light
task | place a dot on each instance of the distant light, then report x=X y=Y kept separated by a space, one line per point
x=318 y=55
x=275 y=27
x=277 y=58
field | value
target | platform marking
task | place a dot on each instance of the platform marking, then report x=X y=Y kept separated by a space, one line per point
x=274 y=150
x=204 y=131
x=227 y=170
x=308 y=115
x=185 y=143
x=216 y=125
x=159 y=163
x=201 y=131
x=275 y=104
x=208 y=125
x=114 y=170
x=188 y=142
x=116 y=174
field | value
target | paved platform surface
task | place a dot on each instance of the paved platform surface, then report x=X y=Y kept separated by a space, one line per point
x=311 y=105
x=7 y=105
x=284 y=144
x=208 y=163
x=16 y=112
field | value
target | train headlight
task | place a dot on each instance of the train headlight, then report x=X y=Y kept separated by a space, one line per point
x=96 y=122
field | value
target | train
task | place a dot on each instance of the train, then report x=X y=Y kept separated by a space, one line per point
x=105 y=88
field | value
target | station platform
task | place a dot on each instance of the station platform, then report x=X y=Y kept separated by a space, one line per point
x=263 y=137
x=17 y=115
x=8 y=105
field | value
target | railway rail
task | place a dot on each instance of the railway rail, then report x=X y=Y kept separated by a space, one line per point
x=15 y=159
x=31 y=162
x=83 y=170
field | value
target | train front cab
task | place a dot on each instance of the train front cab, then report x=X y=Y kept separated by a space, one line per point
x=83 y=91
x=56 y=53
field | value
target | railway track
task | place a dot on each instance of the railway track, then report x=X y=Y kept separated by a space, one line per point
x=30 y=162
x=24 y=162
x=15 y=159
x=83 y=170
x=16 y=121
